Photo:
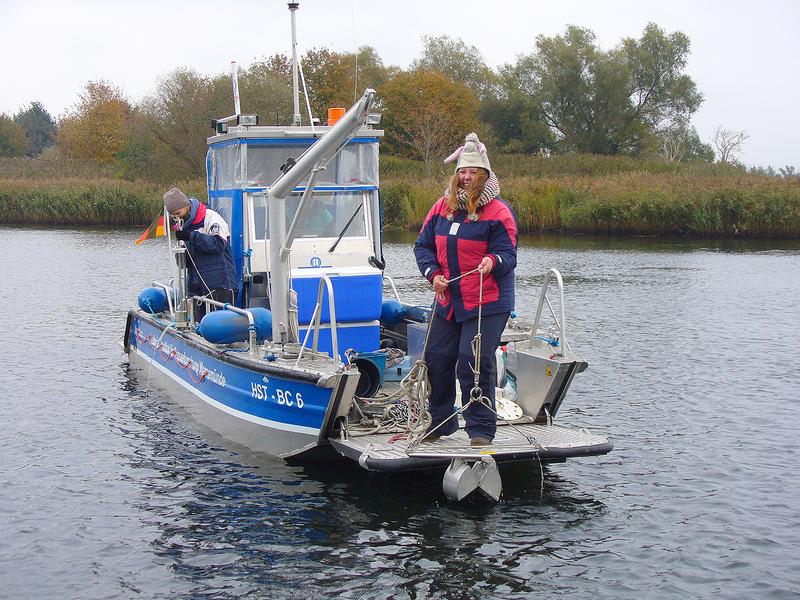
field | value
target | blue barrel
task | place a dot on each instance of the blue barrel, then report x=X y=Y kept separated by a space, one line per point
x=392 y=312
x=154 y=300
x=226 y=326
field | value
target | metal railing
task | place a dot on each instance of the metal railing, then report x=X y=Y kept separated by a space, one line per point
x=388 y=279
x=251 y=324
x=168 y=291
x=316 y=316
x=562 y=322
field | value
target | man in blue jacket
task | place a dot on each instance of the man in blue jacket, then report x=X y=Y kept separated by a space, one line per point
x=208 y=243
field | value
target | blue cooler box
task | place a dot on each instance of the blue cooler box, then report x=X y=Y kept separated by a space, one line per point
x=358 y=292
x=361 y=337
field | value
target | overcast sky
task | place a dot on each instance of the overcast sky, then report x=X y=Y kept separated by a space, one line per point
x=744 y=55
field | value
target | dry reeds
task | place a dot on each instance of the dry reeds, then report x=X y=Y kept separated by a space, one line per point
x=72 y=201
x=571 y=193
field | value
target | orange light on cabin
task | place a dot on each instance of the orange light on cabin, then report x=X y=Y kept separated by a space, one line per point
x=334 y=114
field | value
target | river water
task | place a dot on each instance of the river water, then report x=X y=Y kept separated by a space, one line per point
x=107 y=491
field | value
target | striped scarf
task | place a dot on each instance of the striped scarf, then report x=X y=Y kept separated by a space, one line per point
x=491 y=190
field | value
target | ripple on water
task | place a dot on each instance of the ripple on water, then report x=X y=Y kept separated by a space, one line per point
x=110 y=491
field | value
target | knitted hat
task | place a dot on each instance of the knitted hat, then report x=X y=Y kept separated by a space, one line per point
x=175 y=200
x=471 y=154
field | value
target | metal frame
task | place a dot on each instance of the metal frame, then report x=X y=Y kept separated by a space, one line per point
x=561 y=323
x=315 y=323
x=251 y=324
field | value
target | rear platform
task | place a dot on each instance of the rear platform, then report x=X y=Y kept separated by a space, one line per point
x=520 y=442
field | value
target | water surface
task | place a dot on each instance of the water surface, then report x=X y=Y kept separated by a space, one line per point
x=108 y=491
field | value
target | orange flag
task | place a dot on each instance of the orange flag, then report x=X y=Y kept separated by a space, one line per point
x=155 y=230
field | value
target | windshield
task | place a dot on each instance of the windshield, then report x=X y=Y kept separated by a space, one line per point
x=324 y=217
x=257 y=163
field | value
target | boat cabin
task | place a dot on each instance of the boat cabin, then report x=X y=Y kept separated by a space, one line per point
x=337 y=234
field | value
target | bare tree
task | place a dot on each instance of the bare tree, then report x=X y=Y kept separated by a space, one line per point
x=430 y=136
x=729 y=143
x=673 y=143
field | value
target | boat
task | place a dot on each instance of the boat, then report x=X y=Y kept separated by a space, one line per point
x=319 y=357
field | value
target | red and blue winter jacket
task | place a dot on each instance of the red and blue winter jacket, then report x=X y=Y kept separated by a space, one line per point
x=452 y=247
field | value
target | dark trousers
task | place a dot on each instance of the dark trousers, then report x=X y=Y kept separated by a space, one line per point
x=450 y=354
x=218 y=294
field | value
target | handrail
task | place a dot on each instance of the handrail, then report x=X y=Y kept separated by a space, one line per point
x=562 y=323
x=168 y=291
x=394 y=289
x=251 y=323
x=316 y=317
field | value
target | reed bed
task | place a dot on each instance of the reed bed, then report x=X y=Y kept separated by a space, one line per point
x=559 y=165
x=72 y=201
x=52 y=166
x=570 y=193
x=633 y=202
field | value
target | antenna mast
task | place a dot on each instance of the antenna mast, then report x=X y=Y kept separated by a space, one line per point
x=237 y=107
x=293 y=6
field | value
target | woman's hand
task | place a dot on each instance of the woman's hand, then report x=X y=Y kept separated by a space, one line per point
x=439 y=284
x=487 y=264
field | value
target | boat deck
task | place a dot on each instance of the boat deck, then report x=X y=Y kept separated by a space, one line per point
x=527 y=441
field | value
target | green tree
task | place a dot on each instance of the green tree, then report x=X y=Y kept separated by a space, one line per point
x=608 y=102
x=97 y=128
x=427 y=114
x=12 y=137
x=178 y=116
x=140 y=158
x=661 y=93
x=514 y=119
x=40 y=128
x=332 y=78
x=266 y=89
x=372 y=72
x=458 y=61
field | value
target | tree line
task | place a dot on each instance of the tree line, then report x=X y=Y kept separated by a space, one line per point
x=567 y=95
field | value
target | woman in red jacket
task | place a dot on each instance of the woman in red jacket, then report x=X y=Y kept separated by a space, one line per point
x=468 y=229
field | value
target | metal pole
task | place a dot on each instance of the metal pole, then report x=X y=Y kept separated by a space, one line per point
x=182 y=308
x=293 y=6
x=237 y=107
x=279 y=276
x=562 y=325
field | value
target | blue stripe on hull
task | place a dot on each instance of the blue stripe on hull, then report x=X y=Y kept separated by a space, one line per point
x=270 y=401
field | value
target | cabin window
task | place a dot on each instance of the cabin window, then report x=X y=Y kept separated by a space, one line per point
x=225 y=164
x=356 y=164
x=223 y=205
x=325 y=217
x=264 y=162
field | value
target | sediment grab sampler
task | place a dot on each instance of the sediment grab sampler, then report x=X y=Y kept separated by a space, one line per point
x=319 y=356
